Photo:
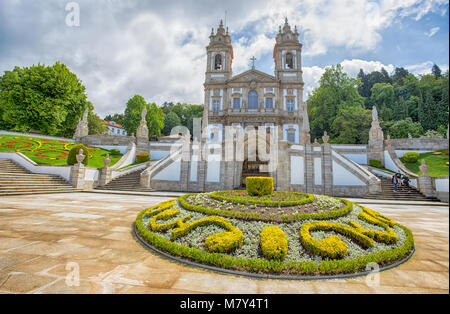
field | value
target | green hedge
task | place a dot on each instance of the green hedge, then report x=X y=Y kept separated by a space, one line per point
x=375 y=163
x=142 y=157
x=259 y=265
x=257 y=216
x=410 y=158
x=306 y=198
x=259 y=186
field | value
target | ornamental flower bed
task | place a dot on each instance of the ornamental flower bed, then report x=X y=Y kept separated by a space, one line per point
x=50 y=151
x=316 y=235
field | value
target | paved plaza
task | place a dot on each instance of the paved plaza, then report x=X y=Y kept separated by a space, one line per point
x=45 y=240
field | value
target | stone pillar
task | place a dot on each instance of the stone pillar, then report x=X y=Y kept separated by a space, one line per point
x=425 y=181
x=105 y=173
x=78 y=172
x=309 y=169
x=327 y=165
x=375 y=149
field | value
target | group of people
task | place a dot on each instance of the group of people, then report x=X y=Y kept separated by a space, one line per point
x=400 y=180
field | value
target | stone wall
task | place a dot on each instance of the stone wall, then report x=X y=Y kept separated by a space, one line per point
x=108 y=140
x=420 y=144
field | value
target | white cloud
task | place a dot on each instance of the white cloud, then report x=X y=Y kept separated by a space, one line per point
x=352 y=67
x=424 y=68
x=157 y=49
x=432 y=31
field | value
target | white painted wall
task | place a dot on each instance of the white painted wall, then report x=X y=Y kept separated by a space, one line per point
x=297 y=170
x=213 y=173
x=441 y=185
x=342 y=176
x=358 y=158
x=170 y=173
x=318 y=171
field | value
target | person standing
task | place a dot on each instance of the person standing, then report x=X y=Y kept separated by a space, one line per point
x=395 y=182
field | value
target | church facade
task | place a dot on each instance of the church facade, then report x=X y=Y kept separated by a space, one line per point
x=253 y=98
x=256 y=124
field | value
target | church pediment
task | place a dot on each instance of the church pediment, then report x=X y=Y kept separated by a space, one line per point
x=253 y=75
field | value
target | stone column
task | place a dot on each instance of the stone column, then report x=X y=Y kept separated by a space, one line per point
x=105 y=173
x=78 y=172
x=327 y=165
x=425 y=181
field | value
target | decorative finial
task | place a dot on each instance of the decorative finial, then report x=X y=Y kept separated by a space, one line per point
x=286 y=21
x=221 y=24
x=253 y=59
x=212 y=31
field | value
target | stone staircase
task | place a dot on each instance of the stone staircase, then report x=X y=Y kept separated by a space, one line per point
x=403 y=193
x=16 y=180
x=128 y=182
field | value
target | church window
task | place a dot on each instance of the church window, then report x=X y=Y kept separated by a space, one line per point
x=218 y=62
x=216 y=105
x=236 y=103
x=290 y=105
x=253 y=100
x=269 y=103
x=291 y=137
x=289 y=60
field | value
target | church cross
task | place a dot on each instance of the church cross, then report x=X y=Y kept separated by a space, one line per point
x=253 y=59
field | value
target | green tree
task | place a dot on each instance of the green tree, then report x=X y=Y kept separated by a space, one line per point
x=118 y=118
x=336 y=91
x=133 y=115
x=402 y=128
x=352 y=125
x=96 y=124
x=383 y=97
x=436 y=71
x=155 y=119
x=49 y=99
x=172 y=120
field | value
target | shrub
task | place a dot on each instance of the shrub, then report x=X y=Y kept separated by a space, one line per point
x=72 y=157
x=259 y=186
x=115 y=152
x=142 y=157
x=410 y=157
x=274 y=243
x=375 y=163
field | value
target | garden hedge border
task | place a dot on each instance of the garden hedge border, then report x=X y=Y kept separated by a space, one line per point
x=272 y=269
x=308 y=199
x=331 y=214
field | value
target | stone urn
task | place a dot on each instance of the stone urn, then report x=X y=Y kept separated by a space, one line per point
x=424 y=168
x=107 y=161
x=80 y=157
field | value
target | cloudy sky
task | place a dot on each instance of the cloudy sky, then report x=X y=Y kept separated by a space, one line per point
x=157 y=48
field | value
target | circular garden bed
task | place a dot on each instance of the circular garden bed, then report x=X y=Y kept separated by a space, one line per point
x=284 y=234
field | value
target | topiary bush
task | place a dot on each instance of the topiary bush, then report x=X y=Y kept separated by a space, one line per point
x=259 y=186
x=115 y=152
x=72 y=157
x=142 y=157
x=375 y=163
x=410 y=158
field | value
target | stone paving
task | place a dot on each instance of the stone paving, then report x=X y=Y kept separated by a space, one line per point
x=45 y=239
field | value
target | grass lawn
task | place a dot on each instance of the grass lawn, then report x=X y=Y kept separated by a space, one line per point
x=51 y=152
x=437 y=164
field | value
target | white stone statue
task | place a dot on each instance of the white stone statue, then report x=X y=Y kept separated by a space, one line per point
x=374 y=114
x=144 y=114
